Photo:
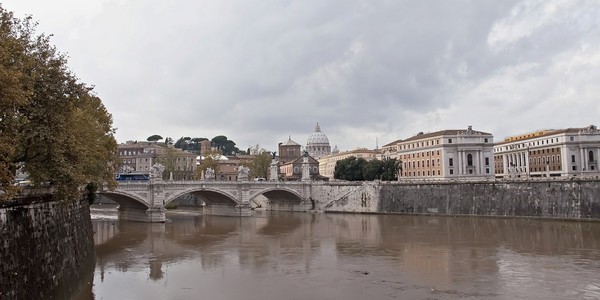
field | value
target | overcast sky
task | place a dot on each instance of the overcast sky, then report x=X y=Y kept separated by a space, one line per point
x=259 y=71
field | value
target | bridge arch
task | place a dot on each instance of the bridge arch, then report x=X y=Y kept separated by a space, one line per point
x=125 y=199
x=208 y=195
x=274 y=193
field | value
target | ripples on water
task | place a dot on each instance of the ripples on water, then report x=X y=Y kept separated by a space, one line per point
x=333 y=256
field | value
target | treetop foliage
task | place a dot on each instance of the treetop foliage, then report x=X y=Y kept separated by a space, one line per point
x=154 y=138
x=358 y=169
x=52 y=126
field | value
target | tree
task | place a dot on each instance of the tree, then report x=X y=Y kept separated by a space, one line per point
x=168 y=161
x=350 y=168
x=259 y=166
x=225 y=145
x=373 y=170
x=209 y=160
x=390 y=169
x=51 y=125
x=154 y=138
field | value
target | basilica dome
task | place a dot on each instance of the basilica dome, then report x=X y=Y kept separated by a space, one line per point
x=317 y=137
x=317 y=144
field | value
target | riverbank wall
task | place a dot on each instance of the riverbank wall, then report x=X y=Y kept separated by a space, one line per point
x=553 y=199
x=46 y=246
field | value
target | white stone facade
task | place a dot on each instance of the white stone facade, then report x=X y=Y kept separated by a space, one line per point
x=444 y=155
x=549 y=153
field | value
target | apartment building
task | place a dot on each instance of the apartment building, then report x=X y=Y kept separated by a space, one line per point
x=549 y=153
x=139 y=157
x=444 y=155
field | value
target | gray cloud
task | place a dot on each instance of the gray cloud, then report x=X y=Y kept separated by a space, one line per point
x=366 y=70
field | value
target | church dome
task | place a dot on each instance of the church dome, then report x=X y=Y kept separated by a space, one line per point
x=317 y=144
x=317 y=137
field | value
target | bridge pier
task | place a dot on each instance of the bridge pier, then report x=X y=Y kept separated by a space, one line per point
x=227 y=210
x=149 y=215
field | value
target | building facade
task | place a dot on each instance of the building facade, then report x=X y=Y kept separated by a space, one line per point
x=290 y=162
x=327 y=163
x=139 y=157
x=549 y=153
x=317 y=144
x=444 y=155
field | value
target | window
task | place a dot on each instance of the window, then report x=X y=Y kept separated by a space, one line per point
x=451 y=162
x=469 y=160
x=487 y=161
x=487 y=170
x=438 y=172
x=573 y=158
x=591 y=156
x=449 y=141
x=451 y=172
x=485 y=140
x=571 y=138
x=574 y=168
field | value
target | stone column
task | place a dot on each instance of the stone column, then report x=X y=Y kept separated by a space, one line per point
x=274 y=175
x=505 y=165
x=305 y=169
x=582 y=160
x=459 y=162
x=480 y=160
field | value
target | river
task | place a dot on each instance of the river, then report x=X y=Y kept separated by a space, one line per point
x=281 y=255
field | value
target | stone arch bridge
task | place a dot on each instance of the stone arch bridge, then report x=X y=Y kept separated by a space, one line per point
x=145 y=201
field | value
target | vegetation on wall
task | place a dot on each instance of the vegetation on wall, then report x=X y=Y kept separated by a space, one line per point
x=52 y=126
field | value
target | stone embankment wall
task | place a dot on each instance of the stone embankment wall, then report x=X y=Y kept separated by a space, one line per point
x=561 y=199
x=46 y=248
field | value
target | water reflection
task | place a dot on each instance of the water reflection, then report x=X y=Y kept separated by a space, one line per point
x=333 y=256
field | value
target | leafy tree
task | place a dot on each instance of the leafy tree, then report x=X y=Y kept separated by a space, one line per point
x=183 y=143
x=373 y=170
x=154 y=138
x=225 y=145
x=189 y=144
x=210 y=160
x=168 y=161
x=390 y=168
x=51 y=125
x=350 y=168
x=259 y=166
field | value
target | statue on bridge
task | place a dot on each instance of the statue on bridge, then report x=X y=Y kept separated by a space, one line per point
x=243 y=173
x=157 y=171
x=209 y=174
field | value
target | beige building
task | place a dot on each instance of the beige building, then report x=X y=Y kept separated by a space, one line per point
x=443 y=155
x=139 y=157
x=327 y=163
x=549 y=153
x=290 y=162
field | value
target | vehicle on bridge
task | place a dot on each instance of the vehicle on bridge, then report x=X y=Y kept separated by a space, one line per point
x=132 y=177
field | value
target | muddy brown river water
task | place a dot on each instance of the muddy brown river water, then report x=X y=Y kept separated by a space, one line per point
x=280 y=255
